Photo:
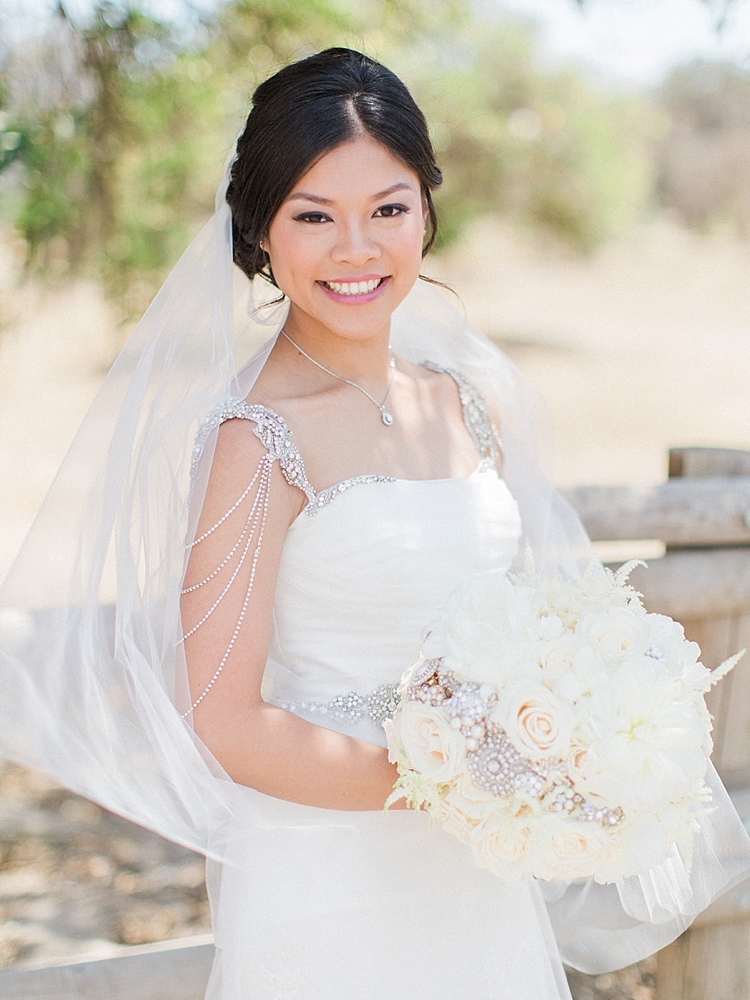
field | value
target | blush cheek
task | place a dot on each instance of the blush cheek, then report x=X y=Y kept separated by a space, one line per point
x=298 y=258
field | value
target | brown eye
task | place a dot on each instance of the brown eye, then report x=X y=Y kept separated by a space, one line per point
x=391 y=211
x=315 y=217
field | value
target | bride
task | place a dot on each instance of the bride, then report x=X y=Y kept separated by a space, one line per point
x=214 y=654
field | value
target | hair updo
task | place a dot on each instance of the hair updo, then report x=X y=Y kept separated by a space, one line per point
x=302 y=112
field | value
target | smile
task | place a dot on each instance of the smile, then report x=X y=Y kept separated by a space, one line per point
x=353 y=288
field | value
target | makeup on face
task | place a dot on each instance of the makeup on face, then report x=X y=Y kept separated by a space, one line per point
x=346 y=245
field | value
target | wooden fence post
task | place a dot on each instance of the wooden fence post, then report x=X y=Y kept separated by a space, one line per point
x=711 y=960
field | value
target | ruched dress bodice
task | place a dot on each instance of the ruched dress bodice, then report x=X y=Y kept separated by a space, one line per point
x=361 y=580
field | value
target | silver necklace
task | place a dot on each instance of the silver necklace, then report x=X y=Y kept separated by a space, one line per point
x=385 y=416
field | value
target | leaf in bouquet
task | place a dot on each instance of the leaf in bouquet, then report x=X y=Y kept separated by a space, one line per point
x=723 y=669
x=528 y=575
x=622 y=574
x=418 y=791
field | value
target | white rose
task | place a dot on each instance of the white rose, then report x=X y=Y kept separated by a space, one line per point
x=568 y=848
x=617 y=632
x=538 y=724
x=559 y=657
x=667 y=637
x=433 y=747
x=572 y=668
x=550 y=627
x=502 y=844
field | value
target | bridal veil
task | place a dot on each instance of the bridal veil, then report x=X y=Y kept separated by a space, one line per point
x=92 y=674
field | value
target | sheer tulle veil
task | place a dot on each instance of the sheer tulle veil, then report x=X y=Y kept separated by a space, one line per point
x=93 y=679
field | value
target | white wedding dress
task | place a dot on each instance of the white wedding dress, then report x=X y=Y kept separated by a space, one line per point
x=330 y=905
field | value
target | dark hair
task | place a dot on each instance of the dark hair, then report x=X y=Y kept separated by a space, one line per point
x=301 y=113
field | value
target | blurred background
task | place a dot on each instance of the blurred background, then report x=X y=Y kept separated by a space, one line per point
x=595 y=220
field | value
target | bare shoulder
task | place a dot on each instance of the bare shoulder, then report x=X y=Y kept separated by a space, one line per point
x=435 y=382
x=449 y=382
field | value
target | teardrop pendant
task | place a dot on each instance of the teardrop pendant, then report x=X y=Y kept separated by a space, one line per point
x=385 y=416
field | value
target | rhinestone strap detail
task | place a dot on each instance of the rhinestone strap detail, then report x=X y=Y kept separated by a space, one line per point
x=254 y=528
x=275 y=436
x=476 y=417
x=377 y=706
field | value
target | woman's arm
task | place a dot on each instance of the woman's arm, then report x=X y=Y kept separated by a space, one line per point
x=256 y=743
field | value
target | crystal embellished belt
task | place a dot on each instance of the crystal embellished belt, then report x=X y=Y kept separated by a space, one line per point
x=377 y=706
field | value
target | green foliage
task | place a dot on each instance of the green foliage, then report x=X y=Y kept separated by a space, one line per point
x=113 y=131
x=110 y=148
x=543 y=148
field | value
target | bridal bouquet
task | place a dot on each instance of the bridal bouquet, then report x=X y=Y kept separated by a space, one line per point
x=556 y=728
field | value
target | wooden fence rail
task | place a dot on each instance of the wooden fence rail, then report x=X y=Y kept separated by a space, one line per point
x=702 y=514
x=171 y=970
x=710 y=511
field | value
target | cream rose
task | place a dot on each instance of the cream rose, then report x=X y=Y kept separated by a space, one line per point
x=502 y=844
x=470 y=800
x=432 y=746
x=568 y=848
x=576 y=764
x=455 y=822
x=538 y=724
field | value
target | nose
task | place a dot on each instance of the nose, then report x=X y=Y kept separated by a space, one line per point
x=354 y=245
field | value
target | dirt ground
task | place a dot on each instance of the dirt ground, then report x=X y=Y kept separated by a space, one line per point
x=643 y=345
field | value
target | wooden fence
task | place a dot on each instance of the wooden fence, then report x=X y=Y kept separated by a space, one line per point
x=702 y=514
x=170 y=970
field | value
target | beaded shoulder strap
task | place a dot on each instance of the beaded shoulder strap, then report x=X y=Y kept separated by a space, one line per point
x=476 y=416
x=276 y=437
x=269 y=428
x=250 y=511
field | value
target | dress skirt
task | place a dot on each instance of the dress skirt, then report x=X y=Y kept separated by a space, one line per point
x=329 y=905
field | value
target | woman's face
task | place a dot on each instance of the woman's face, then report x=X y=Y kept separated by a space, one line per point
x=346 y=245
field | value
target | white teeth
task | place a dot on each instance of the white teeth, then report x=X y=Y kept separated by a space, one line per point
x=353 y=287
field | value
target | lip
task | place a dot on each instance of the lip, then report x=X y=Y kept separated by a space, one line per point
x=356 y=300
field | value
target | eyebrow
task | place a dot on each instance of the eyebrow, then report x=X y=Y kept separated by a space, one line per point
x=306 y=196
